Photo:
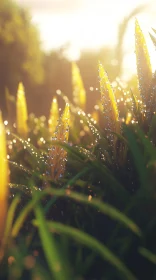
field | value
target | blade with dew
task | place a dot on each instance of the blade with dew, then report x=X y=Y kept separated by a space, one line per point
x=78 y=87
x=57 y=155
x=144 y=68
x=32 y=203
x=4 y=180
x=54 y=116
x=110 y=109
x=36 y=154
x=21 y=112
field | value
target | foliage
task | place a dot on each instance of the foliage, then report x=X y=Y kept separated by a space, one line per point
x=20 y=54
x=85 y=209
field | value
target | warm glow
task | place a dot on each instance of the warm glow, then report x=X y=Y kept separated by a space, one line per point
x=90 y=24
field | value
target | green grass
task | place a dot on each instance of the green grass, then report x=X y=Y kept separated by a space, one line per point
x=97 y=221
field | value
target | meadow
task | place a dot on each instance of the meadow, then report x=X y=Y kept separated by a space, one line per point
x=78 y=190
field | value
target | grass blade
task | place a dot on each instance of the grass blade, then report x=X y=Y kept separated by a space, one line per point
x=105 y=208
x=153 y=39
x=24 y=213
x=144 y=68
x=70 y=183
x=21 y=112
x=110 y=109
x=94 y=244
x=78 y=87
x=54 y=116
x=148 y=255
x=10 y=217
x=49 y=246
x=137 y=156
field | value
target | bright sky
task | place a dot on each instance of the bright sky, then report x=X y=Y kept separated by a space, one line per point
x=90 y=24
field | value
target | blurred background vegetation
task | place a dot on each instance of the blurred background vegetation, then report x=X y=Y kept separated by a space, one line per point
x=22 y=58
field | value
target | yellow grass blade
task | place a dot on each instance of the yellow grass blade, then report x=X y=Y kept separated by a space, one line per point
x=78 y=87
x=110 y=109
x=54 y=116
x=21 y=112
x=65 y=123
x=57 y=155
x=128 y=118
x=144 y=68
x=3 y=182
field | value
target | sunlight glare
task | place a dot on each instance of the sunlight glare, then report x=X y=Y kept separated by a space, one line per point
x=93 y=26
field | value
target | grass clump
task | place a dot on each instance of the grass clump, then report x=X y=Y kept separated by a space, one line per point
x=85 y=208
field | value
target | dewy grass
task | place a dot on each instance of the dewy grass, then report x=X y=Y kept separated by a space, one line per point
x=54 y=116
x=79 y=92
x=110 y=109
x=21 y=112
x=4 y=180
x=57 y=155
x=144 y=68
x=116 y=163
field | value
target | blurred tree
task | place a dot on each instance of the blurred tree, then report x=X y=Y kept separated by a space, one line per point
x=20 y=54
x=57 y=71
